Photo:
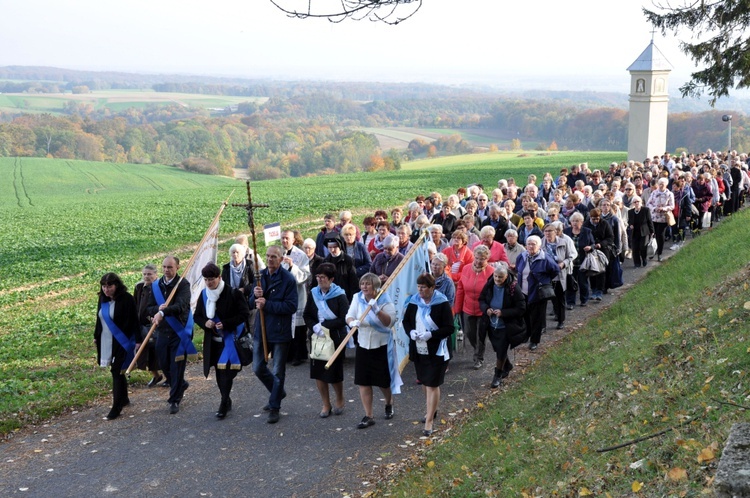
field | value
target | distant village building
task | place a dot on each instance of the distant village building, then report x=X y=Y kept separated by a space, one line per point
x=649 y=98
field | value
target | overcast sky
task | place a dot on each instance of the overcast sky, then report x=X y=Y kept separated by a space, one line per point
x=573 y=44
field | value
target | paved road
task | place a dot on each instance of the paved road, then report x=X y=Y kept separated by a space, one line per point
x=194 y=454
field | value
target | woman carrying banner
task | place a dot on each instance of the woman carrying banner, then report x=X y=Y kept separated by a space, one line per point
x=114 y=334
x=374 y=363
x=428 y=320
x=326 y=310
x=221 y=312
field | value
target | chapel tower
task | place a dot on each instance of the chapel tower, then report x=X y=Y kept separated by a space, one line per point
x=649 y=97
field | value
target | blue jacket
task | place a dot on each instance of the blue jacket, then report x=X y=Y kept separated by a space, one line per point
x=543 y=270
x=280 y=292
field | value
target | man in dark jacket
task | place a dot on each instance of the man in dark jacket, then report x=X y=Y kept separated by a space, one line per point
x=174 y=328
x=276 y=298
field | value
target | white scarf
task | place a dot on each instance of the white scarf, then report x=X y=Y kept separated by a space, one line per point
x=211 y=297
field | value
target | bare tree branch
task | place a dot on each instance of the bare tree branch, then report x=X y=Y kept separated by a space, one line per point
x=386 y=11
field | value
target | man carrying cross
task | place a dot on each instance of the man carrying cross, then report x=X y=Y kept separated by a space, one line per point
x=174 y=326
x=276 y=298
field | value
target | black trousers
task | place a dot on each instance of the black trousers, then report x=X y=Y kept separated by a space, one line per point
x=536 y=319
x=119 y=389
x=225 y=380
x=166 y=351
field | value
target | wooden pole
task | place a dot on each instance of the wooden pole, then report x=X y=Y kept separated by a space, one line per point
x=251 y=223
x=171 y=294
x=383 y=288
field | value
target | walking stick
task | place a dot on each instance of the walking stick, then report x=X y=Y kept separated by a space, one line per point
x=251 y=223
x=185 y=271
x=383 y=288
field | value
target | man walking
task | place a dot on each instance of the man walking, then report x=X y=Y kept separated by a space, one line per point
x=276 y=298
x=296 y=262
x=174 y=340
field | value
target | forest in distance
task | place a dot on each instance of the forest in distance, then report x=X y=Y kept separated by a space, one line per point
x=302 y=128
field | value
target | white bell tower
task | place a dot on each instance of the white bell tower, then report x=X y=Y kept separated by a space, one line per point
x=649 y=98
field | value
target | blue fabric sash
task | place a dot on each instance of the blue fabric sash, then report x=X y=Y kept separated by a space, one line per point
x=128 y=344
x=185 y=333
x=374 y=322
x=424 y=309
x=229 y=357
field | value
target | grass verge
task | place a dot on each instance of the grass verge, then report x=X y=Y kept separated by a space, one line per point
x=669 y=353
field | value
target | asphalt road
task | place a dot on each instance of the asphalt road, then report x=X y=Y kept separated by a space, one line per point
x=147 y=451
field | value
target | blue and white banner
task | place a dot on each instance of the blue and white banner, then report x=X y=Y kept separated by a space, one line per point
x=401 y=289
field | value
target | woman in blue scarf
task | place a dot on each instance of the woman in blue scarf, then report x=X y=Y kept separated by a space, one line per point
x=374 y=364
x=429 y=320
x=221 y=312
x=325 y=311
x=115 y=332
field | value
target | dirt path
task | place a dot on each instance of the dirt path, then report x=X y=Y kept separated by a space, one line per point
x=194 y=454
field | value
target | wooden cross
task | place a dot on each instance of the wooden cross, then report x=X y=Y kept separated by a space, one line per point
x=251 y=223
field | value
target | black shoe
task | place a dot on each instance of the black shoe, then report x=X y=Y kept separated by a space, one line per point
x=560 y=325
x=497 y=379
x=222 y=411
x=297 y=363
x=427 y=432
x=155 y=381
x=533 y=346
x=325 y=413
x=174 y=408
x=113 y=414
x=583 y=305
x=267 y=408
x=424 y=419
x=366 y=422
x=388 y=412
x=125 y=403
x=273 y=416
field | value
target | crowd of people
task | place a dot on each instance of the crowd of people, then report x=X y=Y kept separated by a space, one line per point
x=498 y=257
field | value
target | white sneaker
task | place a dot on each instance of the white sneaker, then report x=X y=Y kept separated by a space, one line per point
x=674 y=247
x=460 y=335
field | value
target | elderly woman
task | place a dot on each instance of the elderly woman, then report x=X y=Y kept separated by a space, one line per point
x=446 y=219
x=512 y=248
x=436 y=235
x=375 y=361
x=642 y=229
x=443 y=281
x=582 y=239
x=660 y=201
x=503 y=307
x=473 y=278
x=114 y=334
x=429 y=320
x=308 y=245
x=528 y=228
x=239 y=274
x=419 y=224
x=487 y=237
x=326 y=310
x=456 y=208
x=458 y=254
x=603 y=241
x=346 y=274
x=221 y=312
x=355 y=250
x=563 y=251
x=535 y=268
x=375 y=244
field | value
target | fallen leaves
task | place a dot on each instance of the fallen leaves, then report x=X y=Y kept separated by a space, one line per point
x=677 y=474
x=708 y=453
x=636 y=486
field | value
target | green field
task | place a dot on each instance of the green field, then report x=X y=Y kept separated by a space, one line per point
x=65 y=223
x=116 y=100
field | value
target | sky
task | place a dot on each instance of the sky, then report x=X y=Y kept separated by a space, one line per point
x=550 y=44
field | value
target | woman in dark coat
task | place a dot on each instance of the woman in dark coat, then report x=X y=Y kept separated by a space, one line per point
x=115 y=332
x=604 y=240
x=642 y=227
x=503 y=307
x=583 y=240
x=535 y=268
x=221 y=312
x=239 y=274
x=429 y=320
x=326 y=308
x=346 y=273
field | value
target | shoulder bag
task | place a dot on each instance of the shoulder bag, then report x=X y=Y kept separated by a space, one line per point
x=322 y=348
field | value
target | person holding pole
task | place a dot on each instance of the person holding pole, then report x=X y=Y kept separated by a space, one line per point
x=375 y=358
x=174 y=325
x=222 y=313
x=114 y=334
x=276 y=300
x=429 y=321
x=148 y=358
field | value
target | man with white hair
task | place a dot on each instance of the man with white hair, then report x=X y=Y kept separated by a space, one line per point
x=386 y=262
x=295 y=261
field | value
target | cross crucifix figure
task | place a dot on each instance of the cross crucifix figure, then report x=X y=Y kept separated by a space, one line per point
x=251 y=223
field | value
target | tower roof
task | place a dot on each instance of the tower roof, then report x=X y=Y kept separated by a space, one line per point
x=651 y=60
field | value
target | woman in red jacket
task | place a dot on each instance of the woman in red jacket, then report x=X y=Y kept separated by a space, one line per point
x=459 y=255
x=469 y=286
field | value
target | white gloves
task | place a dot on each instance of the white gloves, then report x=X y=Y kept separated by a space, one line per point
x=353 y=324
x=425 y=336
x=374 y=306
x=455 y=267
x=318 y=330
x=414 y=335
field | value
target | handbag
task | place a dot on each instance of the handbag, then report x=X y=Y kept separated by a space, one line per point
x=518 y=338
x=244 y=346
x=545 y=291
x=670 y=219
x=706 y=220
x=322 y=348
x=571 y=282
x=651 y=249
